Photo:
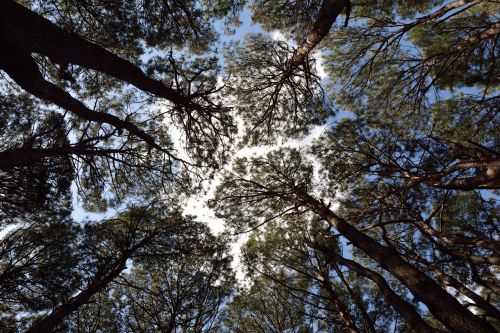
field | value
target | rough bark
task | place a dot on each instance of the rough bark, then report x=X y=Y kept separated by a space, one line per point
x=49 y=323
x=478 y=300
x=328 y=13
x=489 y=178
x=440 y=303
x=401 y=306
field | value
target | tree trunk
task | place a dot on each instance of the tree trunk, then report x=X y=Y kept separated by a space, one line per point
x=345 y=316
x=35 y=34
x=49 y=323
x=356 y=299
x=328 y=13
x=440 y=303
x=19 y=65
x=487 y=179
x=26 y=157
x=401 y=306
x=489 y=309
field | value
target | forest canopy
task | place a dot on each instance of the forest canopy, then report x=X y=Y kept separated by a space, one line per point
x=345 y=155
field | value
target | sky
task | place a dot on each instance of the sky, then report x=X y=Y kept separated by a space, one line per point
x=197 y=205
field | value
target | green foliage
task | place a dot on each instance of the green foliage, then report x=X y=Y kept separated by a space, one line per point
x=266 y=307
x=41 y=187
x=272 y=101
x=388 y=221
x=295 y=17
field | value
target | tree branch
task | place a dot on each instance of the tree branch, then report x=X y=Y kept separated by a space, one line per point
x=19 y=65
x=35 y=34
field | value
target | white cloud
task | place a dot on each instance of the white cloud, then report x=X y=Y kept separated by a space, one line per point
x=279 y=36
x=197 y=205
x=80 y=214
x=320 y=63
x=262 y=150
x=236 y=264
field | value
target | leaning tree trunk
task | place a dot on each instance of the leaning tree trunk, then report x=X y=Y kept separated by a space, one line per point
x=35 y=34
x=19 y=65
x=102 y=280
x=399 y=304
x=26 y=157
x=328 y=13
x=440 y=303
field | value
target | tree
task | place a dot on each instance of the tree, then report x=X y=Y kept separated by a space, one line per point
x=38 y=270
x=387 y=221
x=32 y=186
x=277 y=80
x=279 y=183
x=41 y=57
x=186 y=293
x=55 y=281
x=288 y=257
x=418 y=79
x=266 y=307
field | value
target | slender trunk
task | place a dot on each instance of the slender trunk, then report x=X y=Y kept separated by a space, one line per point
x=344 y=312
x=401 y=306
x=49 y=323
x=327 y=15
x=441 y=304
x=487 y=179
x=464 y=290
x=357 y=301
x=345 y=316
x=478 y=300
x=426 y=230
x=479 y=37
x=458 y=239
